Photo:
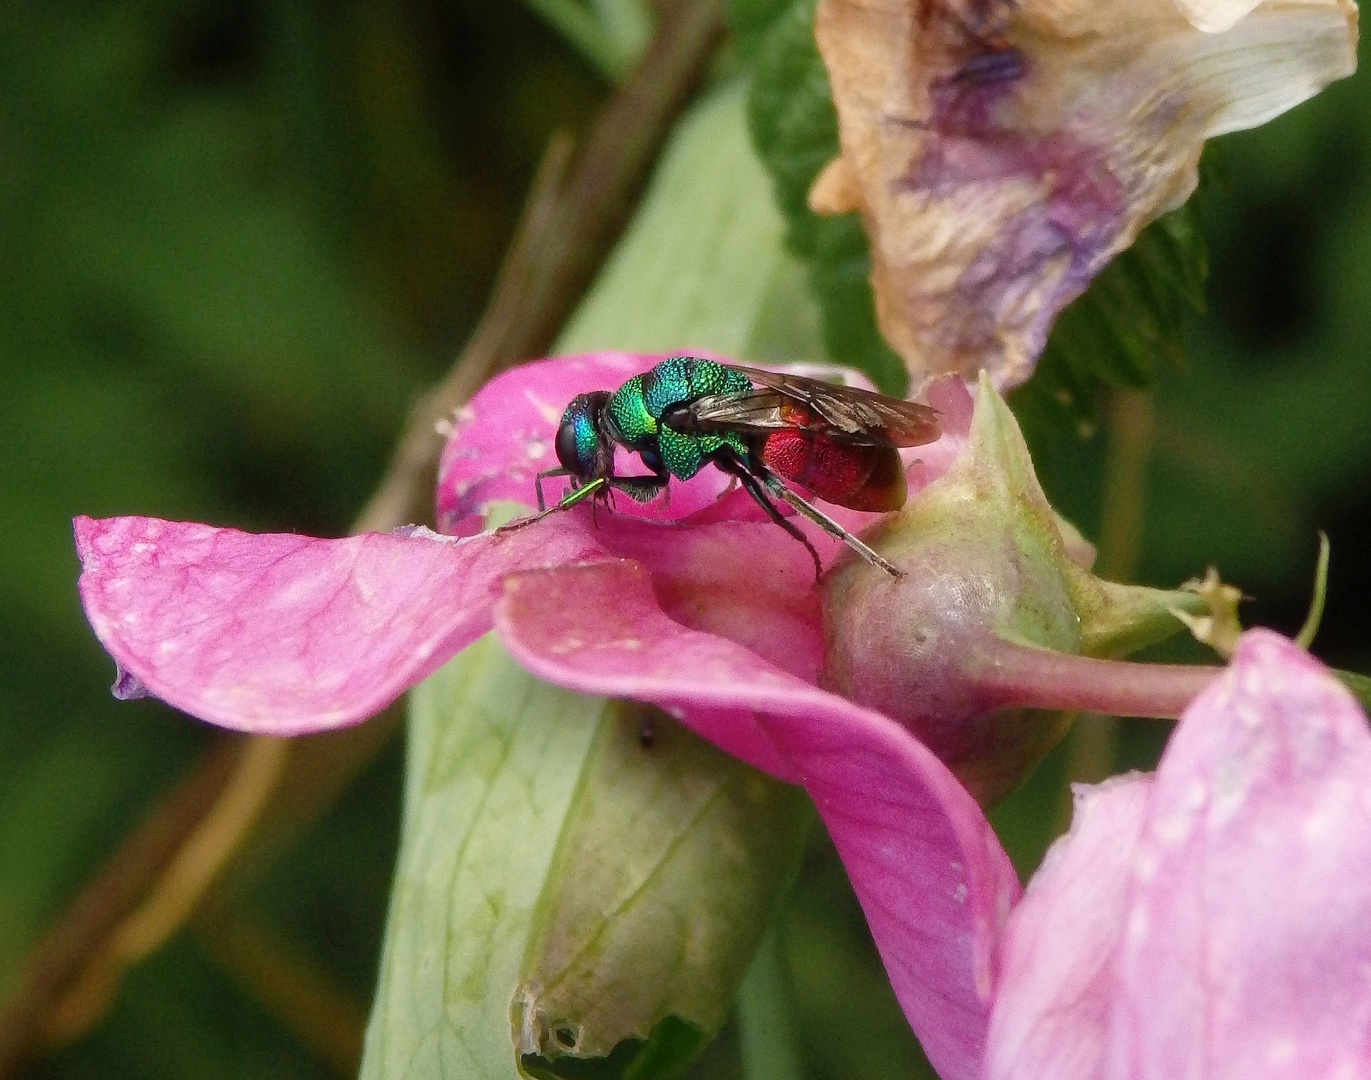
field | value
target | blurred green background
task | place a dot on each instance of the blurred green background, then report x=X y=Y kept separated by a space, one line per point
x=239 y=238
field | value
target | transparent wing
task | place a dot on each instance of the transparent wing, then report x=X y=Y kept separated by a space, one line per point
x=842 y=413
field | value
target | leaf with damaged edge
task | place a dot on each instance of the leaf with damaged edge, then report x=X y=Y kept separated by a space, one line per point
x=495 y=758
x=670 y=863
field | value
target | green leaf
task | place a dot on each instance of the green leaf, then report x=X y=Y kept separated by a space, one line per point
x=549 y=865
x=494 y=761
x=609 y=35
x=670 y=860
x=766 y=1023
x=749 y=20
x=703 y=263
x=795 y=130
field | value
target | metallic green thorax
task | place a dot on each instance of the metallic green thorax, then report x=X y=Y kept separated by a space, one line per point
x=636 y=407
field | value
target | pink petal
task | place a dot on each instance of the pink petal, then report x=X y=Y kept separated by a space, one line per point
x=952 y=398
x=285 y=634
x=1057 y=960
x=1248 y=945
x=932 y=879
x=695 y=576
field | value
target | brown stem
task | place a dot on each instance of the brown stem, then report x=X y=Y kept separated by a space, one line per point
x=61 y=953
x=326 y=1018
x=570 y=225
x=1043 y=679
x=575 y=213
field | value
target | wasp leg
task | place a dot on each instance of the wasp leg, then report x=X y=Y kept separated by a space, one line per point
x=538 y=484
x=754 y=488
x=598 y=486
x=780 y=491
x=641 y=489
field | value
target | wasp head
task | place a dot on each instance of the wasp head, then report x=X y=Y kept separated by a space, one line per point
x=583 y=447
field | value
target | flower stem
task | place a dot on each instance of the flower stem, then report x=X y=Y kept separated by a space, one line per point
x=1042 y=679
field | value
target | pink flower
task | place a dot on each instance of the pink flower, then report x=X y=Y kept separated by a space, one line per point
x=1212 y=920
x=718 y=623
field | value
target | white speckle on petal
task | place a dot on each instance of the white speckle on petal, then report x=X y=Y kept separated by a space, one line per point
x=959 y=893
x=1137 y=924
x=551 y=413
x=1254 y=681
x=1281 y=1050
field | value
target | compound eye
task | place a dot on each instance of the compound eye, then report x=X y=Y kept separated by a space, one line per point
x=566 y=446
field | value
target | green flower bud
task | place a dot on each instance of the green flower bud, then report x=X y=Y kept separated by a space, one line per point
x=990 y=591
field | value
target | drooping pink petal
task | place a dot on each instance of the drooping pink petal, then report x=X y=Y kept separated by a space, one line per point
x=284 y=634
x=1057 y=963
x=932 y=879
x=1247 y=950
x=745 y=581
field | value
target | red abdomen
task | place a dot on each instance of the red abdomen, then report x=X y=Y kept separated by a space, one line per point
x=869 y=478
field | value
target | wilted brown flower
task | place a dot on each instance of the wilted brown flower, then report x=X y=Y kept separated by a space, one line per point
x=1001 y=152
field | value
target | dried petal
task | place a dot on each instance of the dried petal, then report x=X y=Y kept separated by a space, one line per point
x=1001 y=153
x=932 y=879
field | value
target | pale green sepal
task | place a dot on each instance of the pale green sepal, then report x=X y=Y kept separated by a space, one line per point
x=1113 y=619
x=495 y=758
x=670 y=863
x=1360 y=685
x=1120 y=619
x=995 y=475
